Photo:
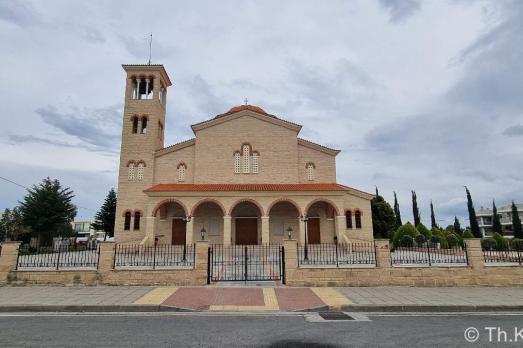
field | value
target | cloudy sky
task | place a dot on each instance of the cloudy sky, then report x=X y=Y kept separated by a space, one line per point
x=423 y=95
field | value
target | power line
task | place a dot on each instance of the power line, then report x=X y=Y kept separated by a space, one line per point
x=25 y=187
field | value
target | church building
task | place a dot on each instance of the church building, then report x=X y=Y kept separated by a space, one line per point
x=245 y=178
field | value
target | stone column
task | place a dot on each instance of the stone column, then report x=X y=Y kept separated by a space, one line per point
x=8 y=259
x=201 y=261
x=265 y=238
x=475 y=253
x=227 y=230
x=339 y=225
x=106 y=259
x=147 y=88
x=382 y=253
x=301 y=231
x=138 y=83
x=290 y=247
x=150 y=227
x=189 y=228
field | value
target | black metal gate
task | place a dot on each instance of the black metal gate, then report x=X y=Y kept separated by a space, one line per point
x=245 y=263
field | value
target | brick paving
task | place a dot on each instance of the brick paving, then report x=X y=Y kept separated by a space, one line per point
x=258 y=298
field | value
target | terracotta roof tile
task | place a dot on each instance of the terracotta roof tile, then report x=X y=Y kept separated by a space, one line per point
x=245 y=187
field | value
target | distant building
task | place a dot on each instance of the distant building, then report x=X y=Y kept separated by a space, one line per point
x=82 y=227
x=484 y=217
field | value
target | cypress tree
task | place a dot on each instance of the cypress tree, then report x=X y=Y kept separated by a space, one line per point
x=474 y=227
x=433 y=223
x=496 y=223
x=397 y=212
x=457 y=226
x=415 y=210
x=516 y=222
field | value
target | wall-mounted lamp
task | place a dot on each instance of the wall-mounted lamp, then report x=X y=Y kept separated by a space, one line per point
x=202 y=233
x=289 y=232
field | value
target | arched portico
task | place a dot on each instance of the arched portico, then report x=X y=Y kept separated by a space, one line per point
x=284 y=214
x=246 y=224
x=171 y=222
x=321 y=215
x=208 y=214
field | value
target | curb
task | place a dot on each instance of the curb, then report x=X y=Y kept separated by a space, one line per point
x=345 y=308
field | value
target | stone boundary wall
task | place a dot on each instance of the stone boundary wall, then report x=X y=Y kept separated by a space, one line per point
x=475 y=274
x=105 y=274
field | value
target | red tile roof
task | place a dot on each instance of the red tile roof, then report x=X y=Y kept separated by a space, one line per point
x=245 y=187
x=246 y=107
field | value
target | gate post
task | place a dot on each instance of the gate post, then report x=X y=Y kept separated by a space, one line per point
x=8 y=259
x=382 y=250
x=201 y=261
x=290 y=259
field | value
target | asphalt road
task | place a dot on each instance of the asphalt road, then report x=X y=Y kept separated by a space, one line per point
x=178 y=330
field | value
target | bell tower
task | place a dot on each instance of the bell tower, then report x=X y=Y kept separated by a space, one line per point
x=142 y=134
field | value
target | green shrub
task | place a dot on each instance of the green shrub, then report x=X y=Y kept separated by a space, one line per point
x=438 y=236
x=488 y=244
x=406 y=241
x=453 y=240
x=406 y=230
x=501 y=242
x=424 y=231
x=467 y=234
x=420 y=239
x=517 y=244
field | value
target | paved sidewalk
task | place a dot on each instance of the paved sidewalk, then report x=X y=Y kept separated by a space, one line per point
x=253 y=299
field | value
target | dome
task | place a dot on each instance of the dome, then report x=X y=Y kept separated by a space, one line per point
x=246 y=107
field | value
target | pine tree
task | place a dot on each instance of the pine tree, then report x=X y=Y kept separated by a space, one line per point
x=5 y=225
x=397 y=212
x=433 y=223
x=516 y=222
x=104 y=218
x=457 y=226
x=474 y=227
x=496 y=223
x=47 y=209
x=415 y=210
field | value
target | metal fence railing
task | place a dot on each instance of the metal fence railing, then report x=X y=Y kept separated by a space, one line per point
x=57 y=257
x=503 y=256
x=337 y=254
x=158 y=256
x=429 y=255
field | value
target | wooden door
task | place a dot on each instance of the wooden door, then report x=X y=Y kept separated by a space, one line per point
x=178 y=232
x=313 y=231
x=247 y=231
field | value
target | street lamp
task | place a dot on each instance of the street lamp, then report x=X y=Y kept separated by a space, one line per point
x=289 y=232
x=306 y=249
x=202 y=233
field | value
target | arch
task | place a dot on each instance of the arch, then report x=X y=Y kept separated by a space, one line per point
x=138 y=211
x=235 y=204
x=144 y=116
x=166 y=201
x=141 y=162
x=310 y=164
x=358 y=210
x=284 y=199
x=324 y=200
x=208 y=200
x=250 y=148
x=130 y=162
x=181 y=164
x=126 y=211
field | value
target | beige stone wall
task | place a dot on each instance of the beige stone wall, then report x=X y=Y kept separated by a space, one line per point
x=278 y=148
x=325 y=171
x=353 y=203
x=165 y=166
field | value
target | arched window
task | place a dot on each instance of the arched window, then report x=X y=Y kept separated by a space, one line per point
x=348 y=218
x=130 y=171
x=139 y=171
x=137 y=216
x=237 y=163
x=254 y=165
x=246 y=149
x=182 y=169
x=144 y=125
x=127 y=221
x=310 y=171
x=135 y=124
x=357 y=218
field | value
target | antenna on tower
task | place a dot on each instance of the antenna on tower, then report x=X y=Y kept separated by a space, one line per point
x=150 y=47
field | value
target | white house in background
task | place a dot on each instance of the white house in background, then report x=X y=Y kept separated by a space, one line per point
x=484 y=216
x=82 y=226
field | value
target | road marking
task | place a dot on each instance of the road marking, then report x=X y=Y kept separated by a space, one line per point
x=269 y=299
x=331 y=297
x=156 y=296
